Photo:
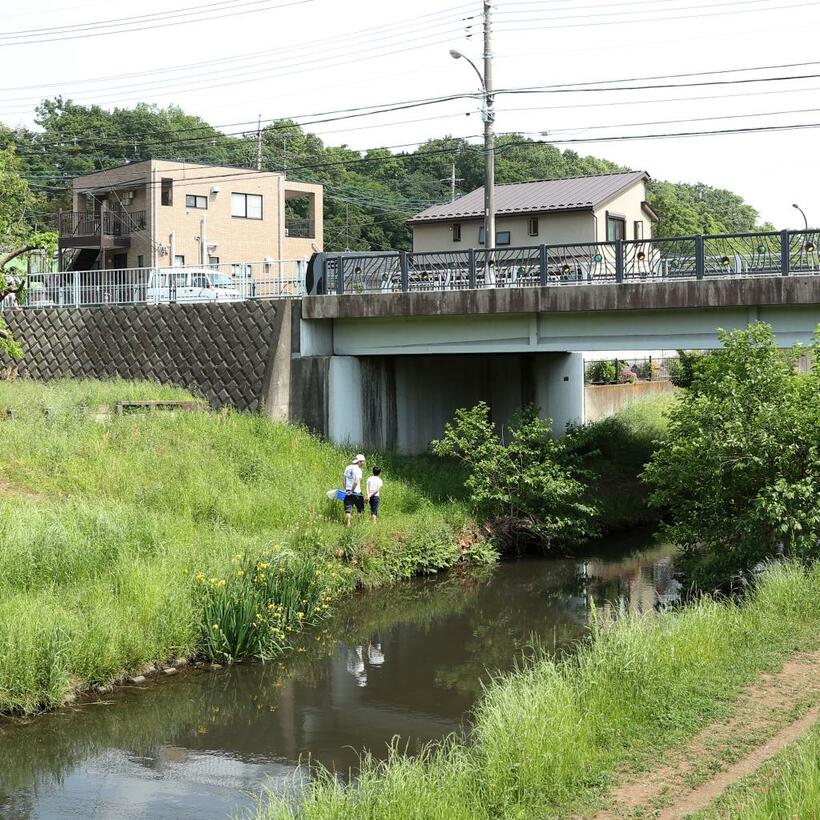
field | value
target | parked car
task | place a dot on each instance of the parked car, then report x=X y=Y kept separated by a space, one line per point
x=191 y=285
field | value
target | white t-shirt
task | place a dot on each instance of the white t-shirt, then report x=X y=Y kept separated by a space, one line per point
x=374 y=485
x=353 y=479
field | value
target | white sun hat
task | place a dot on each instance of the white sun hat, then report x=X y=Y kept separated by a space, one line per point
x=359 y=457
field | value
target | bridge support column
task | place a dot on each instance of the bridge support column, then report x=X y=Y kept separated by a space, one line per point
x=345 y=401
x=559 y=388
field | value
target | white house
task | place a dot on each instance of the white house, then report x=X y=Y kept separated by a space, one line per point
x=545 y=211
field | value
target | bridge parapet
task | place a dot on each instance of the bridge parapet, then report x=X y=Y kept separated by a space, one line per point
x=672 y=259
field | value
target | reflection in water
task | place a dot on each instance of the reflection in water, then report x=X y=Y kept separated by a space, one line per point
x=406 y=661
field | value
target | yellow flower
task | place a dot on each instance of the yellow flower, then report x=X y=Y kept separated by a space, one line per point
x=215 y=626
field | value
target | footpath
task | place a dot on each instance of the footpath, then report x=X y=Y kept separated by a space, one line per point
x=769 y=715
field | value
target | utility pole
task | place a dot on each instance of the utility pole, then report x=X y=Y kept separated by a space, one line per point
x=259 y=144
x=489 y=136
x=452 y=179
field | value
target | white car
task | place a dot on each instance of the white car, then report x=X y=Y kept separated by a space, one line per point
x=191 y=285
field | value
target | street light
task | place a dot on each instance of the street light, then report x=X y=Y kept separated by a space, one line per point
x=488 y=115
x=805 y=221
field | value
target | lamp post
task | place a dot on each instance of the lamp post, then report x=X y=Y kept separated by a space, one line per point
x=803 y=214
x=488 y=115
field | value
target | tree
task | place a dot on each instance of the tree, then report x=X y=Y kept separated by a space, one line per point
x=17 y=236
x=738 y=476
x=528 y=489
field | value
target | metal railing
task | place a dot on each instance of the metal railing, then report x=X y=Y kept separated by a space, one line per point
x=300 y=228
x=106 y=223
x=640 y=260
x=271 y=279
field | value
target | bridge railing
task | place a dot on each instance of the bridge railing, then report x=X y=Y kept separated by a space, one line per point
x=763 y=253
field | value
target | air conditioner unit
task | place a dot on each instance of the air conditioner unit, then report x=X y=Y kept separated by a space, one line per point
x=215 y=189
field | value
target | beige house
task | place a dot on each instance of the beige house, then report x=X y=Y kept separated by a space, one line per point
x=159 y=213
x=548 y=211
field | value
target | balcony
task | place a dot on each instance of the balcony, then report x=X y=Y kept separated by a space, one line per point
x=82 y=229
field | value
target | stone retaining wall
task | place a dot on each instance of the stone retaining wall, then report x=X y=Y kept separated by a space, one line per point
x=222 y=351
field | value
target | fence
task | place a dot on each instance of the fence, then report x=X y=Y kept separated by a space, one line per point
x=650 y=260
x=625 y=371
x=275 y=279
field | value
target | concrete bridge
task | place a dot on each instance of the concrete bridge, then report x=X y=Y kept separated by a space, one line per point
x=387 y=346
x=389 y=369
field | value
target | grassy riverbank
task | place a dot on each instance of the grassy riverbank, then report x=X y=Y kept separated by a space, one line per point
x=129 y=540
x=786 y=786
x=548 y=738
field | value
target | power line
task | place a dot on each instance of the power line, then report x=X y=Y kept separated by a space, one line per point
x=705 y=13
x=232 y=8
x=449 y=14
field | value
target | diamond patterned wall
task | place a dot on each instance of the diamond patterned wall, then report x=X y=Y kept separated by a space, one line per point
x=221 y=351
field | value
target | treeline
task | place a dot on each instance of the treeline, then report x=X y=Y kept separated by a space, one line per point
x=368 y=195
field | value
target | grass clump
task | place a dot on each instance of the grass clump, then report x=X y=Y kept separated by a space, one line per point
x=547 y=738
x=786 y=786
x=105 y=525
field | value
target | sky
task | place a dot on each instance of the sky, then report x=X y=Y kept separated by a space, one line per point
x=294 y=58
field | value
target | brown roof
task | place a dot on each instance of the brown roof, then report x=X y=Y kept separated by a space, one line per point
x=538 y=196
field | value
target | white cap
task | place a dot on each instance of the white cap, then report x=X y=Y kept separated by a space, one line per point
x=359 y=458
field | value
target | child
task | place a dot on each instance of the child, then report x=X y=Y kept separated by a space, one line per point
x=374 y=491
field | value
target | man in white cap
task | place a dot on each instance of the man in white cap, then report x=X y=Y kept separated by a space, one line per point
x=352 y=483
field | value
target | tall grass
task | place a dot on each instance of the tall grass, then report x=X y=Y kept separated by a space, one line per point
x=105 y=526
x=547 y=738
x=787 y=786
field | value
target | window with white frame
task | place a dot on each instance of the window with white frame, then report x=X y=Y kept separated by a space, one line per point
x=532 y=226
x=246 y=206
x=196 y=201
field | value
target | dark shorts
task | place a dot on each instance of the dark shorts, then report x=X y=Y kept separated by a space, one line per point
x=354 y=500
x=374 y=504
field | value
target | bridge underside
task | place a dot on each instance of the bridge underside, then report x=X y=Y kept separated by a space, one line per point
x=403 y=402
x=390 y=370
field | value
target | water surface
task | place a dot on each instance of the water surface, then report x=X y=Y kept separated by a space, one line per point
x=406 y=661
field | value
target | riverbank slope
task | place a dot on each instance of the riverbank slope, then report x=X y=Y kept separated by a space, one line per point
x=551 y=739
x=120 y=535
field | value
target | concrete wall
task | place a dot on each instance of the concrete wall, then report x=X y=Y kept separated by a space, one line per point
x=404 y=402
x=604 y=400
x=223 y=351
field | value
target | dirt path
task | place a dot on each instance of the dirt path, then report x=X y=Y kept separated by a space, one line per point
x=776 y=710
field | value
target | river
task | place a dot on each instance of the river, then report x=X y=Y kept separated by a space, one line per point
x=406 y=661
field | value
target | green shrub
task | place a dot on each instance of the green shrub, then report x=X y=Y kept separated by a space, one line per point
x=528 y=489
x=738 y=477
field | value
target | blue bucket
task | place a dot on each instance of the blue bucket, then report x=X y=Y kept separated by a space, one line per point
x=340 y=495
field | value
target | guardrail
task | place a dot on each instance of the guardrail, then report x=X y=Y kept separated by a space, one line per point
x=274 y=279
x=767 y=253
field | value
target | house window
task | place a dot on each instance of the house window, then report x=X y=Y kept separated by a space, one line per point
x=246 y=206
x=140 y=261
x=167 y=191
x=637 y=228
x=194 y=201
x=532 y=227
x=179 y=261
x=501 y=237
x=615 y=228
x=213 y=260
x=457 y=232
